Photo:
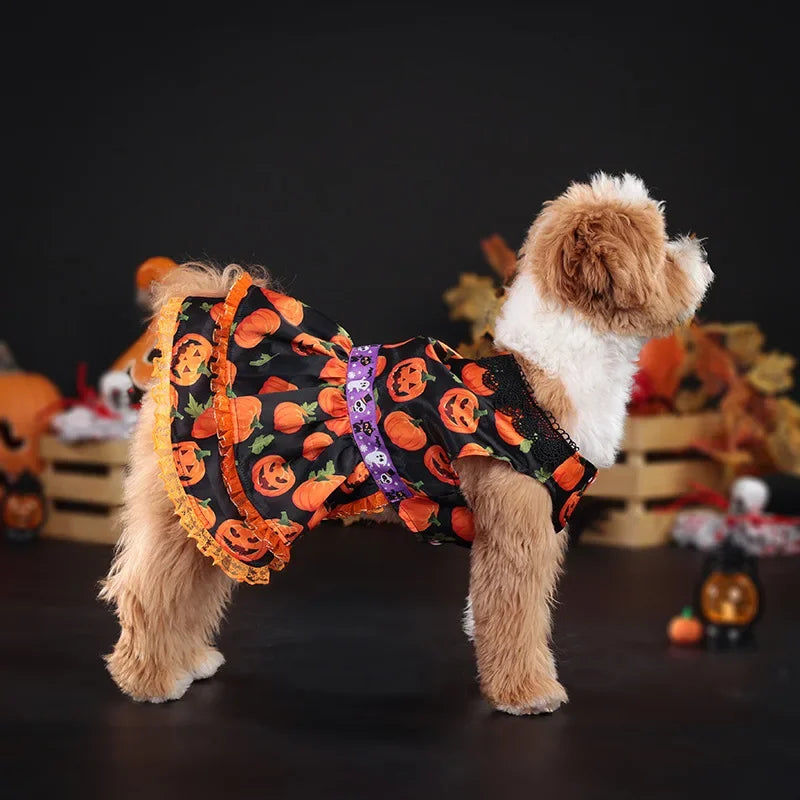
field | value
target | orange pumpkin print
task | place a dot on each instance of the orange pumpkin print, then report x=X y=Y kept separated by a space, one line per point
x=245 y=413
x=380 y=366
x=290 y=417
x=287 y=530
x=289 y=308
x=240 y=541
x=272 y=476
x=216 y=311
x=23 y=511
x=275 y=384
x=460 y=411
x=405 y=431
x=343 y=339
x=173 y=398
x=189 y=462
x=419 y=513
x=311 y=494
x=304 y=344
x=462 y=521
x=472 y=449
x=569 y=507
x=439 y=465
x=472 y=375
x=314 y=444
x=205 y=425
x=334 y=371
x=436 y=347
x=358 y=476
x=318 y=516
x=254 y=327
x=396 y=344
x=407 y=379
x=190 y=359
x=339 y=426
x=508 y=433
x=567 y=474
x=203 y=512
x=333 y=402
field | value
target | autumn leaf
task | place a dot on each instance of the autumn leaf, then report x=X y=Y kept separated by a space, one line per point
x=500 y=257
x=772 y=373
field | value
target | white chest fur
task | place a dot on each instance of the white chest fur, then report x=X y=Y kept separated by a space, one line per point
x=596 y=369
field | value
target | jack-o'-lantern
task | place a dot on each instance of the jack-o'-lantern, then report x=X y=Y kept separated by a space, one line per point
x=27 y=402
x=358 y=476
x=569 y=506
x=729 y=595
x=473 y=376
x=569 y=472
x=439 y=465
x=408 y=379
x=190 y=359
x=311 y=494
x=189 y=462
x=23 y=509
x=272 y=476
x=137 y=363
x=460 y=411
x=240 y=541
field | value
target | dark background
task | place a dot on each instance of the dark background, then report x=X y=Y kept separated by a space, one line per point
x=361 y=155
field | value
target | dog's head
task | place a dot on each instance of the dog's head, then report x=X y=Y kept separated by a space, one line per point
x=601 y=249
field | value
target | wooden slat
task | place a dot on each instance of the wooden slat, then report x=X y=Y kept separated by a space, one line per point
x=113 y=452
x=106 y=489
x=632 y=529
x=668 y=432
x=78 y=527
x=664 y=479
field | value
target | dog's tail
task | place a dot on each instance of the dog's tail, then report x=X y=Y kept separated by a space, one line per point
x=200 y=279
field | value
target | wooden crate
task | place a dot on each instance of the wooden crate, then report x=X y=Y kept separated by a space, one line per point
x=83 y=488
x=654 y=467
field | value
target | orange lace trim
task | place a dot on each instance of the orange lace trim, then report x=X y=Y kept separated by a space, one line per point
x=370 y=504
x=165 y=326
x=225 y=416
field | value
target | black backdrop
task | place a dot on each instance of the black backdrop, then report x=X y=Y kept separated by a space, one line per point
x=362 y=157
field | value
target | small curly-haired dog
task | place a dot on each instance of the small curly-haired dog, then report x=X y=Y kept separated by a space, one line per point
x=264 y=419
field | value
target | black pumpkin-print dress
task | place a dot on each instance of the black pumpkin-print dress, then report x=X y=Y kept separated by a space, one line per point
x=269 y=420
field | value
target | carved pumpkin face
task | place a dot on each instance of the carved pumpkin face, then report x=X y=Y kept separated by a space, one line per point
x=190 y=359
x=240 y=541
x=189 y=462
x=407 y=379
x=137 y=360
x=439 y=465
x=272 y=476
x=459 y=411
x=569 y=507
x=27 y=402
x=729 y=598
x=23 y=511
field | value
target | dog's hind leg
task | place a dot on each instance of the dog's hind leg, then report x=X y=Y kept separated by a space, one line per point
x=515 y=563
x=169 y=598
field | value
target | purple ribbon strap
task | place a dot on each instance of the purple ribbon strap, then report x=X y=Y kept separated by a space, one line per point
x=362 y=408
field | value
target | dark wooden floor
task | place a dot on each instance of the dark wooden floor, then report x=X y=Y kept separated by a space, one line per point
x=349 y=677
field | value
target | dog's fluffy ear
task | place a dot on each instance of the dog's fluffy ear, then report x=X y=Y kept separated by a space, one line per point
x=598 y=247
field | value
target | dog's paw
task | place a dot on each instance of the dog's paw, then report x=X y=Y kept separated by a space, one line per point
x=174 y=692
x=207 y=663
x=545 y=698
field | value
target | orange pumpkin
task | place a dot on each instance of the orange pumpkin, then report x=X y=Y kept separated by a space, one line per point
x=289 y=308
x=408 y=379
x=685 y=629
x=27 y=403
x=568 y=473
x=254 y=327
x=405 y=431
x=568 y=507
x=189 y=462
x=22 y=511
x=472 y=449
x=240 y=541
x=380 y=365
x=396 y=344
x=315 y=444
x=460 y=411
x=272 y=476
x=472 y=375
x=311 y=494
x=205 y=425
x=343 y=340
x=304 y=344
x=339 y=426
x=275 y=384
x=152 y=271
x=203 y=512
x=462 y=522
x=508 y=433
x=334 y=371
x=358 y=476
x=190 y=356
x=439 y=465
x=173 y=398
x=290 y=417
x=318 y=516
x=433 y=348
x=215 y=312
x=137 y=360
x=419 y=513
x=333 y=402
x=286 y=528
x=245 y=412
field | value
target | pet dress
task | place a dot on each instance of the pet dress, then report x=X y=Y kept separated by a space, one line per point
x=269 y=420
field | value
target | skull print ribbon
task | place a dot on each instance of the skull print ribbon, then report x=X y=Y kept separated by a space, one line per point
x=362 y=409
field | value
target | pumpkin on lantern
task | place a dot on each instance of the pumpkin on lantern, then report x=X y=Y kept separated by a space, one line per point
x=23 y=509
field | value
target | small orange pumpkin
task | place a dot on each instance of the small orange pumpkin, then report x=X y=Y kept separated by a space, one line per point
x=508 y=433
x=240 y=541
x=343 y=340
x=569 y=472
x=685 y=629
x=190 y=355
x=289 y=308
x=205 y=425
x=304 y=344
x=472 y=375
x=358 y=476
x=254 y=327
x=189 y=462
x=23 y=511
x=153 y=270
x=419 y=513
x=314 y=444
x=286 y=528
x=473 y=449
x=439 y=465
x=462 y=522
x=408 y=379
x=460 y=411
x=334 y=371
x=318 y=516
x=272 y=476
x=405 y=431
x=436 y=350
x=333 y=402
x=569 y=506
x=275 y=384
x=311 y=494
x=203 y=512
x=380 y=365
x=290 y=417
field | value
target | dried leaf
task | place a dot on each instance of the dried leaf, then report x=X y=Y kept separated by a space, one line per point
x=473 y=298
x=744 y=339
x=500 y=257
x=772 y=373
x=662 y=360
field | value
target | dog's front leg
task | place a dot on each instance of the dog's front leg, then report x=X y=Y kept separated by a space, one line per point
x=516 y=560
